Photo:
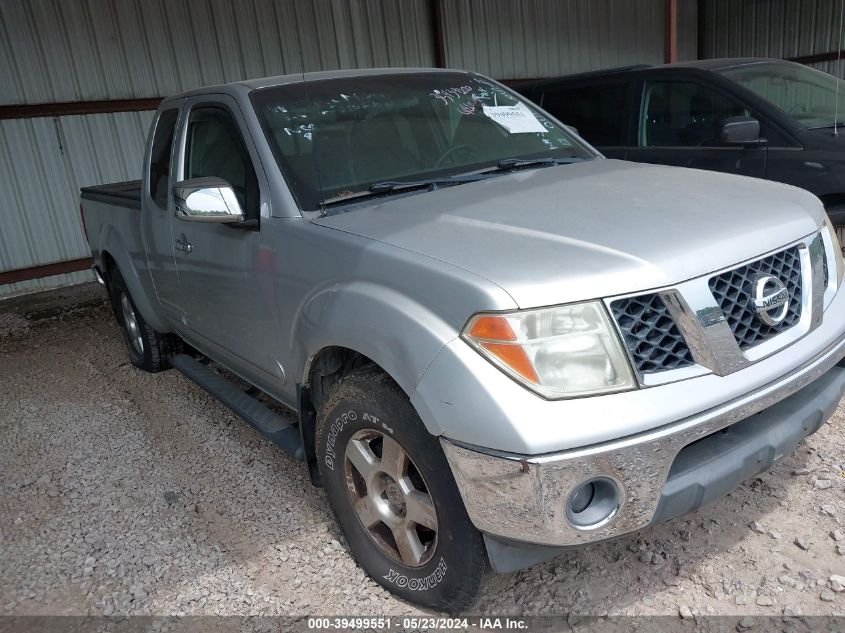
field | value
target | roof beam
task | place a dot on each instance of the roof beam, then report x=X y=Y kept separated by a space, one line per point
x=45 y=270
x=437 y=32
x=818 y=57
x=35 y=110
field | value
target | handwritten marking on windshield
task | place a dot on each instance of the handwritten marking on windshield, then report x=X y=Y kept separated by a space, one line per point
x=469 y=107
x=448 y=95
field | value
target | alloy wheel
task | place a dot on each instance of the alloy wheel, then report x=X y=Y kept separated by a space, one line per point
x=390 y=498
x=131 y=323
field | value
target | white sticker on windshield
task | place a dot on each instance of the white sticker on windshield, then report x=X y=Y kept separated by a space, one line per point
x=516 y=119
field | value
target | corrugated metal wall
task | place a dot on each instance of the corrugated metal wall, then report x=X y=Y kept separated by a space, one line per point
x=687 y=30
x=784 y=29
x=82 y=50
x=54 y=51
x=43 y=163
x=544 y=38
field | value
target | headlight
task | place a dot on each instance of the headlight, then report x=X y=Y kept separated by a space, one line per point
x=558 y=352
x=837 y=252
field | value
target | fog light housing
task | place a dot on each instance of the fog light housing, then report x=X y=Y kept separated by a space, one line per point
x=593 y=503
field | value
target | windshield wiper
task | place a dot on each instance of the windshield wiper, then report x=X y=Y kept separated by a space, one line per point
x=388 y=187
x=400 y=186
x=511 y=163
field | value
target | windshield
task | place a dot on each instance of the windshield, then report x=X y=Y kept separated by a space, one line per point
x=806 y=94
x=338 y=137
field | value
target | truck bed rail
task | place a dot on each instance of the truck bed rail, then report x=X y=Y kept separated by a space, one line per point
x=123 y=194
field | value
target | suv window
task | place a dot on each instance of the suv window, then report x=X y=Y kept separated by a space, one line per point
x=215 y=147
x=684 y=114
x=159 y=175
x=597 y=111
x=806 y=94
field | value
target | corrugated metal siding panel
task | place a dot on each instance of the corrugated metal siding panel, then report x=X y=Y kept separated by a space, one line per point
x=831 y=67
x=687 y=30
x=82 y=50
x=788 y=28
x=43 y=163
x=542 y=38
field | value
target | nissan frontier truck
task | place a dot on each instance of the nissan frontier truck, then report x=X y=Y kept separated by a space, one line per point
x=497 y=344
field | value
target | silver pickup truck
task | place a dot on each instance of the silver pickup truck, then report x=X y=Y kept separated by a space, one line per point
x=497 y=343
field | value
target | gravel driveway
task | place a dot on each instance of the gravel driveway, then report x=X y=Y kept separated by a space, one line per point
x=128 y=493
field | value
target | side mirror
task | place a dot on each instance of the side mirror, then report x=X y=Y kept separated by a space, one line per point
x=740 y=130
x=207 y=200
x=573 y=129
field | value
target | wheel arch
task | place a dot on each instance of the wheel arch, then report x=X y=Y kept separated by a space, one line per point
x=114 y=255
x=341 y=328
x=363 y=322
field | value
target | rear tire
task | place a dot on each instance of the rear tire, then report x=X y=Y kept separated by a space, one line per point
x=397 y=503
x=148 y=350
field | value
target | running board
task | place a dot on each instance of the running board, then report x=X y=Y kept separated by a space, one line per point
x=272 y=426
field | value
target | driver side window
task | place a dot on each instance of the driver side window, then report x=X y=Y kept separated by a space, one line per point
x=684 y=114
x=215 y=148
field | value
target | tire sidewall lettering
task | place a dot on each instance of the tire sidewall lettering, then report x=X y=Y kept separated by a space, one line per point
x=337 y=426
x=429 y=581
x=337 y=430
x=452 y=575
x=334 y=430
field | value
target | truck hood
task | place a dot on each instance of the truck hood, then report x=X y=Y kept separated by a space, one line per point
x=591 y=230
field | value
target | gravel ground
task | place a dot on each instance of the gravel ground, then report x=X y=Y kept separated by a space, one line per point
x=128 y=493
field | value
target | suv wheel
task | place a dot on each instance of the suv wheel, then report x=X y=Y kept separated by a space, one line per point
x=393 y=494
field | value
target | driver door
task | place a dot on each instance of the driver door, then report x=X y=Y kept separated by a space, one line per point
x=228 y=312
x=679 y=125
x=158 y=209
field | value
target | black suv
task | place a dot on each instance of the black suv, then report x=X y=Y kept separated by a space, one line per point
x=766 y=118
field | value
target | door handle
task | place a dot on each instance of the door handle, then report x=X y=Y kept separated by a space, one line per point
x=183 y=244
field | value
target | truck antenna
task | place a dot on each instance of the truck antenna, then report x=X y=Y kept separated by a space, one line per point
x=838 y=72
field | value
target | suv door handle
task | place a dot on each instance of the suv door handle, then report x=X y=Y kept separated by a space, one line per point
x=183 y=244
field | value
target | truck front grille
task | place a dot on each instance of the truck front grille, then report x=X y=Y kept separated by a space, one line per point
x=710 y=324
x=650 y=333
x=732 y=291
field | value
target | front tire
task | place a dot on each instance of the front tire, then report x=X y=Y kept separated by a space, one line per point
x=148 y=350
x=393 y=494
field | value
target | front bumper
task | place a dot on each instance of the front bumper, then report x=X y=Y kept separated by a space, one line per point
x=660 y=473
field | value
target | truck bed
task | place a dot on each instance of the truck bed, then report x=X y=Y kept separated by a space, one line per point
x=113 y=211
x=121 y=194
